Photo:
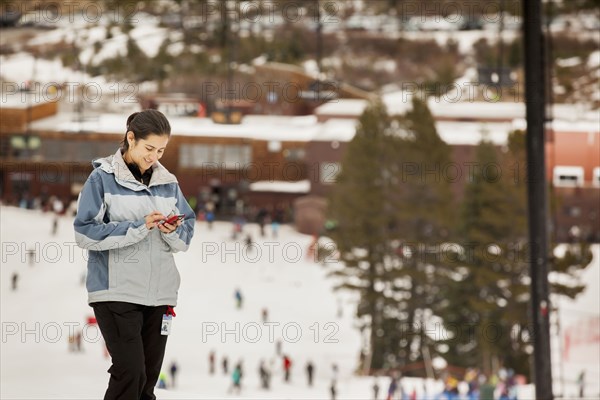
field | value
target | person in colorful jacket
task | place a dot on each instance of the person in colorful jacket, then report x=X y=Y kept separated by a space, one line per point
x=132 y=279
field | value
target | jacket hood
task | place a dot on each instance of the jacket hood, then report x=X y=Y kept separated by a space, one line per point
x=116 y=165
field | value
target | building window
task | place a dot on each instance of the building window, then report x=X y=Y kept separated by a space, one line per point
x=274 y=146
x=328 y=172
x=75 y=150
x=568 y=176
x=596 y=177
x=215 y=155
x=235 y=157
x=294 y=154
x=53 y=150
x=22 y=146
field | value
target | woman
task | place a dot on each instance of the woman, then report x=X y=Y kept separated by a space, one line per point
x=132 y=279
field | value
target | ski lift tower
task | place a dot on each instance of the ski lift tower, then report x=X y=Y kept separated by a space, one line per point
x=535 y=87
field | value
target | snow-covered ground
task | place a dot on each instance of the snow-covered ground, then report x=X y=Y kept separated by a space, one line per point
x=303 y=312
x=577 y=348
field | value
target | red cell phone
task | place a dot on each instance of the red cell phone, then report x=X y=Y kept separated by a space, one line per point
x=172 y=219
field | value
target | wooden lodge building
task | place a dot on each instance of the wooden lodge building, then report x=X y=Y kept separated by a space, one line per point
x=281 y=162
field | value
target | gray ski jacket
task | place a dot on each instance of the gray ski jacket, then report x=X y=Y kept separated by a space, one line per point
x=127 y=261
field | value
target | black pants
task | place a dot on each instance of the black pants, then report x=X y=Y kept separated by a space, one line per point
x=133 y=339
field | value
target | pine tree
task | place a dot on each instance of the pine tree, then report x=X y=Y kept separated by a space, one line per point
x=488 y=296
x=390 y=197
x=356 y=204
x=488 y=301
x=424 y=215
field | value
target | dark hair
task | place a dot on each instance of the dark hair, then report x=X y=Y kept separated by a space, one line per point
x=144 y=123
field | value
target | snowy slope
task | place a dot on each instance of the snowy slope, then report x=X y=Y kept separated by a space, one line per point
x=578 y=348
x=50 y=300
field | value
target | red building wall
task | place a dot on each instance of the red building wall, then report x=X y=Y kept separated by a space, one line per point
x=581 y=149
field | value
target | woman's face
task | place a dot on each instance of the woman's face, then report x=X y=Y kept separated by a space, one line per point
x=145 y=152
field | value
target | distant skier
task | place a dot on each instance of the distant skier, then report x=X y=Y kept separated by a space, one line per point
x=310 y=368
x=238 y=298
x=71 y=341
x=264 y=374
x=333 y=390
x=240 y=366
x=413 y=394
x=211 y=362
x=173 y=370
x=31 y=256
x=210 y=214
x=57 y=206
x=311 y=252
x=265 y=315
x=581 y=383
x=334 y=371
x=392 y=388
x=54 y=226
x=78 y=341
x=210 y=218
x=14 y=279
x=225 y=365
x=238 y=226
x=376 y=389
x=236 y=378
x=162 y=381
x=275 y=228
x=287 y=366
x=261 y=218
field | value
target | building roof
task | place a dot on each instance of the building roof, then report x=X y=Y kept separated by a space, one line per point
x=257 y=127
x=21 y=100
x=471 y=133
x=281 y=186
x=307 y=128
x=481 y=110
x=400 y=102
x=345 y=107
x=396 y=103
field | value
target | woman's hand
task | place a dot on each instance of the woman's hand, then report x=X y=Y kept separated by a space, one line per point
x=168 y=228
x=153 y=218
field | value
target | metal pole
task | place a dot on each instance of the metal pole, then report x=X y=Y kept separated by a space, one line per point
x=537 y=200
x=31 y=97
x=319 y=48
x=500 y=61
x=229 y=44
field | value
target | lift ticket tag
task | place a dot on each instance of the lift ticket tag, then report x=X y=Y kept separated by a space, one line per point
x=165 y=327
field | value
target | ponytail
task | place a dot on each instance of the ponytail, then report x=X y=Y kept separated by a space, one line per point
x=144 y=123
